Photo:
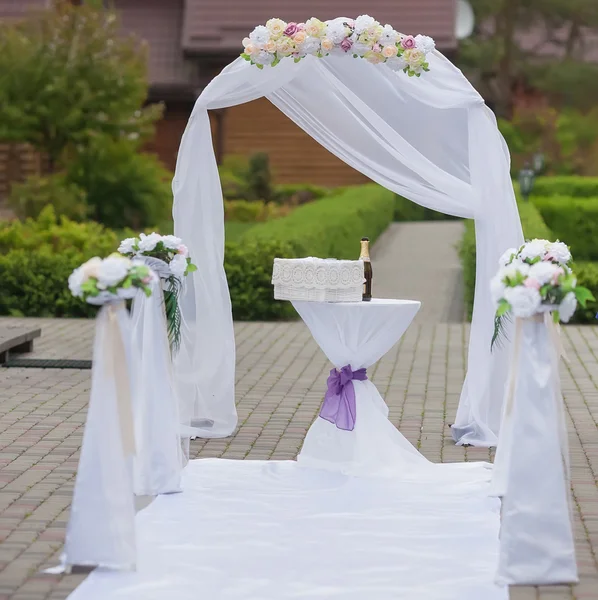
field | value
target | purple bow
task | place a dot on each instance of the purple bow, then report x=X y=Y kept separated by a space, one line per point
x=339 y=402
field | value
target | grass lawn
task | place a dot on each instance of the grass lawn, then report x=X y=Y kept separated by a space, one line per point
x=233 y=230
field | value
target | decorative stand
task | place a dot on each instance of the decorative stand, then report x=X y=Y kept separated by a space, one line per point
x=159 y=459
x=532 y=464
x=101 y=528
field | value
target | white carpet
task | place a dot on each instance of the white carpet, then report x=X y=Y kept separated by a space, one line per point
x=259 y=530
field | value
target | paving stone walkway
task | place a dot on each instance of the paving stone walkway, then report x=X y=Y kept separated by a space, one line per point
x=419 y=261
x=281 y=375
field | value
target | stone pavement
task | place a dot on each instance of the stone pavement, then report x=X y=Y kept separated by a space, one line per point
x=281 y=376
x=419 y=261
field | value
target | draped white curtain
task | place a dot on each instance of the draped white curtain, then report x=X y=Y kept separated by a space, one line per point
x=430 y=139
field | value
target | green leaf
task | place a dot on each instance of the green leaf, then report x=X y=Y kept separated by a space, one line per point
x=503 y=307
x=259 y=66
x=556 y=316
x=246 y=56
x=296 y=60
x=191 y=268
x=583 y=295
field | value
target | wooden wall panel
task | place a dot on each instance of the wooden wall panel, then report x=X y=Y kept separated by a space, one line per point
x=295 y=157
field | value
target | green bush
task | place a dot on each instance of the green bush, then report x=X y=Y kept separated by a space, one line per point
x=29 y=198
x=332 y=227
x=244 y=211
x=124 y=187
x=249 y=272
x=587 y=275
x=573 y=221
x=573 y=186
x=52 y=235
x=533 y=227
x=34 y=284
x=405 y=210
x=298 y=193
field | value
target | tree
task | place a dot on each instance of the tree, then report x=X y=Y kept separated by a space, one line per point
x=539 y=43
x=67 y=76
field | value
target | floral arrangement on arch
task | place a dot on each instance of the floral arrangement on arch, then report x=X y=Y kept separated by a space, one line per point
x=169 y=258
x=363 y=37
x=536 y=278
x=100 y=281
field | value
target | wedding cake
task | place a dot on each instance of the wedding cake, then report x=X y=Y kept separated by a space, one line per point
x=318 y=279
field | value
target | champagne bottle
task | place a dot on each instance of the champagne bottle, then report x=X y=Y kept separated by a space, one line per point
x=367 y=269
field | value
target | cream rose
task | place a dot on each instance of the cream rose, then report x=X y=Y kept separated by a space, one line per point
x=414 y=58
x=251 y=49
x=389 y=51
x=299 y=37
x=91 y=268
x=285 y=47
x=276 y=27
x=314 y=27
x=270 y=47
x=327 y=45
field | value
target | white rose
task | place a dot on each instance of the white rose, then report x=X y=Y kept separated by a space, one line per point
x=148 y=242
x=424 y=43
x=178 y=266
x=524 y=301
x=505 y=259
x=260 y=35
x=171 y=241
x=389 y=36
x=364 y=22
x=544 y=271
x=76 y=280
x=91 y=268
x=112 y=271
x=567 y=307
x=560 y=252
x=514 y=268
x=126 y=246
x=534 y=249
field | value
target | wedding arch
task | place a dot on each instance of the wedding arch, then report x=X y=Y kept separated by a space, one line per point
x=429 y=138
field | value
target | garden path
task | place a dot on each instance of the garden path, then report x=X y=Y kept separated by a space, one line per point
x=419 y=261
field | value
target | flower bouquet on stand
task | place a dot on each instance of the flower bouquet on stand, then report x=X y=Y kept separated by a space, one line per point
x=101 y=528
x=169 y=259
x=536 y=287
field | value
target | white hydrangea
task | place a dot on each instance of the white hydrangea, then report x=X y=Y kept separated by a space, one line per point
x=505 y=259
x=424 y=43
x=126 y=246
x=360 y=49
x=544 y=271
x=524 y=301
x=76 y=280
x=389 y=36
x=534 y=249
x=171 y=241
x=311 y=45
x=364 y=22
x=560 y=252
x=178 y=266
x=263 y=58
x=567 y=307
x=148 y=242
x=112 y=271
x=396 y=63
x=337 y=32
x=260 y=35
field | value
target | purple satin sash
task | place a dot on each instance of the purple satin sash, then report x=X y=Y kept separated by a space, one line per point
x=339 y=402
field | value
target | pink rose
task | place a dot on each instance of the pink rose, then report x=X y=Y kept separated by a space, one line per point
x=291 y=29
x=377 y=48
x=530 y=282
x=549 y=257
x=408 y=42
x=555 y=278
x=346 y=44
x=301 y=26
x=182 y=249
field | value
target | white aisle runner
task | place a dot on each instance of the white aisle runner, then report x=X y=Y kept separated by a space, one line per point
x=268 y=530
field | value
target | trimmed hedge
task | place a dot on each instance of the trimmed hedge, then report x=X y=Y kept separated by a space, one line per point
x=567 y=185
x=587 y=275
x=573 y=220
x=533 y=227
x=333 y=226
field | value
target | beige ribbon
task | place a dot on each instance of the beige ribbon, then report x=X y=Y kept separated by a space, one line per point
x=117 y=370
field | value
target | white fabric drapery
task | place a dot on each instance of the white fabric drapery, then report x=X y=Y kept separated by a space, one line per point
x=430 y=139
